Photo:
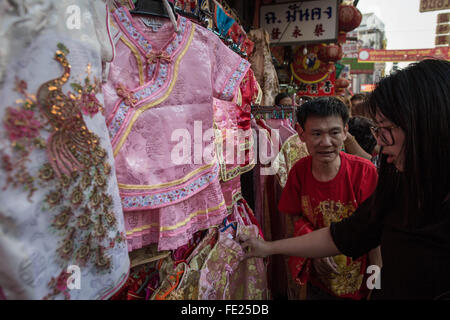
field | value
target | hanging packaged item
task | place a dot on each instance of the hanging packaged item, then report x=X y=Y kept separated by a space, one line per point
x=261 y=60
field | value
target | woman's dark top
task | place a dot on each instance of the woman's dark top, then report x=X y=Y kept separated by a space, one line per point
x=416 y=261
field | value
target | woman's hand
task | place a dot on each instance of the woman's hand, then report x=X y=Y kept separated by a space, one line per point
x=255 y=247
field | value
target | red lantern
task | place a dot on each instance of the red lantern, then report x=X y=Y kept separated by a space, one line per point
x=341 y=83
x=330 y=53
x=349 y=18
x=339 y=92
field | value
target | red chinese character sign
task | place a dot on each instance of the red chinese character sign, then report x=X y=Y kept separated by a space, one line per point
x=314 y=77
x=301 y=22
x=318 y=89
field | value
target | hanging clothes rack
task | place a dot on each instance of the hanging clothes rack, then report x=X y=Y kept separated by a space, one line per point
x=275 y=112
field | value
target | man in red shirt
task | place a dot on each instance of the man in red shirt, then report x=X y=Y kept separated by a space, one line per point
x=327 y=186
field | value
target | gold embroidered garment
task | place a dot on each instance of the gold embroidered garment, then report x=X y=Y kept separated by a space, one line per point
x=61 y=222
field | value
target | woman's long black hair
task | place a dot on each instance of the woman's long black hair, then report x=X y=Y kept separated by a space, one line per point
x=417 y=99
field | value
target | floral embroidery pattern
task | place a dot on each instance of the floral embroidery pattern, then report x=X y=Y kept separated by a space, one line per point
x=142 y=41
x=117 y=121
x=150 y=70
x=157 y=84
x=135 y=34
x=59 y=285
x=334 y=211
x=145 y=201
x=21 y=124
x=174 y=44
x=227 y=93
x=226 y=275
x=348 y=281
x=76 y=174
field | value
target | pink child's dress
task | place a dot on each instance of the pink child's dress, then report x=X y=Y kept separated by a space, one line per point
x=159 y=105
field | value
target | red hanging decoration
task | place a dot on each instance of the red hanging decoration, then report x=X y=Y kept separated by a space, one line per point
x=330 y=53
x=349 y=18
x=342 y=37
x=342 y=83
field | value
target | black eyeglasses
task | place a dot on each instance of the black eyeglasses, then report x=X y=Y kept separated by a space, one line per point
x=384 y=133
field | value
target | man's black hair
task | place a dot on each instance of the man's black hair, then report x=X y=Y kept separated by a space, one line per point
x=280 y=97
x=358 y=96
x=322 y=107
x=359 y=127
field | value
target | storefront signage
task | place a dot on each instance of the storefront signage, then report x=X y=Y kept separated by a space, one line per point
x=372 y=55
x=367 y=87
x=301 y=22
x=434 y=5
x=322 y=88
x=306 y=67
x=350 y=49
x=443 y=17
x=443 y=40
x=443 y=28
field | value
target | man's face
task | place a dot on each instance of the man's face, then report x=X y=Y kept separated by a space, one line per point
x=287 y=101
x=324 y=137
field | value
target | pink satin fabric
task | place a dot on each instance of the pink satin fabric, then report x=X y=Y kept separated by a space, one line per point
x=166 y=201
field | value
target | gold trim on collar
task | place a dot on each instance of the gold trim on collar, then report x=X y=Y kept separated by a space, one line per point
x=138 y=58
x=166 y=184
x=160 y=100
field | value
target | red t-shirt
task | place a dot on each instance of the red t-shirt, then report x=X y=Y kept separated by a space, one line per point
x=335 y=199
x=320 y=203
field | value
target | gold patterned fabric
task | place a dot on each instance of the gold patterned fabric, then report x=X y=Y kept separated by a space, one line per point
x=60 y=212
x=181 y=282
x=262 y=66
x=226 y=274
x=292 y=150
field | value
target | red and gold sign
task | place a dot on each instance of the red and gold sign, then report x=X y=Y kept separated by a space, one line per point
x=373 y=55
x=322 y=88
x=308 y=68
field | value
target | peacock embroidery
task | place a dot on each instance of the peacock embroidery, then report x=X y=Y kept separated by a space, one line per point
x=76 y=173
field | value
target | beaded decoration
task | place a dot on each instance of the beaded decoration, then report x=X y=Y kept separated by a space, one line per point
x=76 y=174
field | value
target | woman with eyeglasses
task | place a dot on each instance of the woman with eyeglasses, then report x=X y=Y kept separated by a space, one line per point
x=409 y=212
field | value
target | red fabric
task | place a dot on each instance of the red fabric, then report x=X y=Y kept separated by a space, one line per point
x=304 y=195
x=252 y=217
x=263 y=124
x=249 y=92
x=134 y=288
x=248 y=46
x=300 y=267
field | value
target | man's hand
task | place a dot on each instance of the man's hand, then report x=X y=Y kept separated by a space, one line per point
x=324 y=266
